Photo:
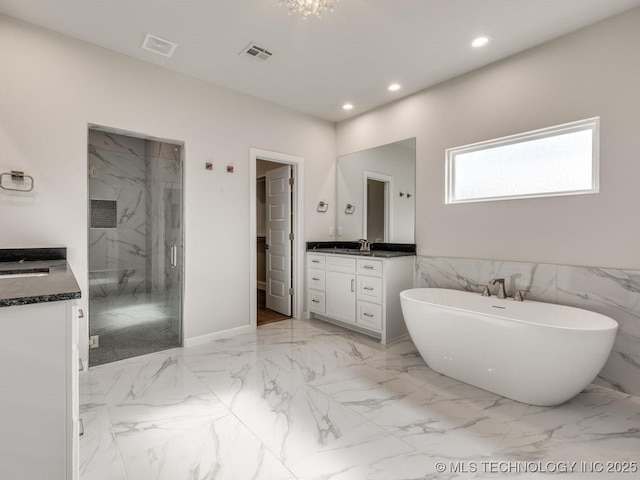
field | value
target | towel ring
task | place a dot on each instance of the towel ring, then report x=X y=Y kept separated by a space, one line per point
x=17 y=176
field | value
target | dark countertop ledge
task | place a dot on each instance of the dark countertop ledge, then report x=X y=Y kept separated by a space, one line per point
x=59 y=284
x=359 y=253
x=378 y=249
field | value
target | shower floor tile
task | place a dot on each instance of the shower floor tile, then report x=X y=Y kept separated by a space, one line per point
x=308 y=400
x=129 y=327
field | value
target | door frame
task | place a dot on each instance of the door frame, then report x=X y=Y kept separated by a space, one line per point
x=297 y=226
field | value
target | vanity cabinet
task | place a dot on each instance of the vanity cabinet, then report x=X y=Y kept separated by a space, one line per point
x=360 y=293
x=39 y=413
x=341 y=288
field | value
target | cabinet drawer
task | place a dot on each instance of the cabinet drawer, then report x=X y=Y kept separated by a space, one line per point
x=316 y=301
x=339 y=263
x=369 y=316
x=315 y=261
x=370 y=289
x=315 y=279
x=370 y=267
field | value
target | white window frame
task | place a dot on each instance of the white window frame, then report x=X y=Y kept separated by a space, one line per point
x=592 y=124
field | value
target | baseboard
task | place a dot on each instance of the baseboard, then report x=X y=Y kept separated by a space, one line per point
x=210 y=337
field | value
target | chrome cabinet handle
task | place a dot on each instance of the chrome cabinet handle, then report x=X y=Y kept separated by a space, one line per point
x=353 y=289
x=174 y=256
x=80 y=313
x=369 y=267
x=315 y=279
x=80 y=365
x=80 y=427
x=315 y=301
x=368 y=288
x=368 y=315
x=315 y=261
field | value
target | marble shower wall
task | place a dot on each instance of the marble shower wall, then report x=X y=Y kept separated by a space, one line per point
x=612 y=292
x=117 y=264
x=131 y=263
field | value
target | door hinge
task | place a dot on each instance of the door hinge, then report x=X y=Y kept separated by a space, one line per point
x=94 y=341
x=291 y=181
x=291 y=291
x=291 y=236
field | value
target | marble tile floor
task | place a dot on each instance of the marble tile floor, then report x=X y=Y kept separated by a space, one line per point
x=309 y=400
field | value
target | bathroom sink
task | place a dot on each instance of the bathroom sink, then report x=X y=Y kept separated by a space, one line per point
x=23 y=273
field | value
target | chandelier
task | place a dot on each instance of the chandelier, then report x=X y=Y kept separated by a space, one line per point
x=308 y=7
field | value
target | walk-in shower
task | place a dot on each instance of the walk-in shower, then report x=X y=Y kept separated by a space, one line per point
x=135 y=246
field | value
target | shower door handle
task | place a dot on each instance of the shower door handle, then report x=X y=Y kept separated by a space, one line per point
x=174 y=256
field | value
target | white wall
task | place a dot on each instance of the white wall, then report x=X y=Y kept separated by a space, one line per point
x=593 y=72
x=52 y=87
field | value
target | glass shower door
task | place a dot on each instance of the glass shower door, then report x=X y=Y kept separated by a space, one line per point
x=135 y=246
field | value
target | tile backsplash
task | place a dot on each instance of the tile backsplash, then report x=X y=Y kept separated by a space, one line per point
x=612 y=292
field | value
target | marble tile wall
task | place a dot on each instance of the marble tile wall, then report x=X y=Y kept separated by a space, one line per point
x=117 y=263
x=612 y=292
x=131 y=263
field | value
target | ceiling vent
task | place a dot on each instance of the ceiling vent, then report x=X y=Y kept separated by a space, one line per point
x=158 y=45
x=254 y=51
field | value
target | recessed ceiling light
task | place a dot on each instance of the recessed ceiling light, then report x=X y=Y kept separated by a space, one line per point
x=347 y=106
x=480 y=41
x=394 y=87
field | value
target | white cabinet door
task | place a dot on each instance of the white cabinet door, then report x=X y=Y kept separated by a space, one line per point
x=341 y=296
x=34 y=414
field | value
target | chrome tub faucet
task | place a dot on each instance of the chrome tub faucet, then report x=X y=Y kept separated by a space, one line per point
x=501 y=292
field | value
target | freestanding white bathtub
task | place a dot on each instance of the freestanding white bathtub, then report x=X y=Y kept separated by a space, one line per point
x=532 y=352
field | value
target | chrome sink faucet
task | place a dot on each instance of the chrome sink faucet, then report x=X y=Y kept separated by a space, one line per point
x=364 y=245
x=501 y=291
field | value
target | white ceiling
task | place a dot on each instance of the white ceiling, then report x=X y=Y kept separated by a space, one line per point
x=319 y=63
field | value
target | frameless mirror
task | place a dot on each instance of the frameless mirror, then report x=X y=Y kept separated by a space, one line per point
x=376 y=194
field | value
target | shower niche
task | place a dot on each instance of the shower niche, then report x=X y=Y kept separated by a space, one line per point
x=135 y=245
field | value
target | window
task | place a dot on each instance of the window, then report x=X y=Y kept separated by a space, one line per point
x=560 y=160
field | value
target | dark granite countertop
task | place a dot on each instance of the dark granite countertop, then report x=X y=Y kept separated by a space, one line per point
x=380 y=250
x=24 y=281
x=359 y=253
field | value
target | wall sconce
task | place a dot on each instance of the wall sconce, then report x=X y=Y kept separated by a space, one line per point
x=323 y=207
x=350 y=209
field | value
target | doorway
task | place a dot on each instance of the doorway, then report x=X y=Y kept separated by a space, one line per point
x=274 y=222
x=135 y=245
x=261 y=162
x=377 y=201
x=375 y=210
